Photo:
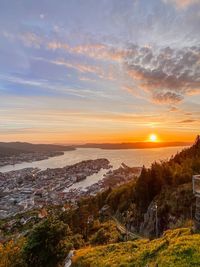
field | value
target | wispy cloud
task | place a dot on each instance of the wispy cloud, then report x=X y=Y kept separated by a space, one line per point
x=56 y=87
x=182 y=3
x=31 y=39
x=96 y=51
x=106 y=73
x=27 y=38
x=187 y=121
x=54 y=45
x=173 y=109
x=133 y=91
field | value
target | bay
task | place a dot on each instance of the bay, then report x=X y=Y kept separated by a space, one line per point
x=131 y=157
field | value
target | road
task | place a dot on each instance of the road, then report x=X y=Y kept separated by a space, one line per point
x=124 y=230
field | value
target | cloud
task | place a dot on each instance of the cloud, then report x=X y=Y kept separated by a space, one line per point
x=133 y=91
x=86 y=79
x=173 y=109
x=167 y=97
x=83 y=68
x=53 y=45
x=96 y=51
x=55 y=88
x=167 y=74
x=106 y=73
x=29 y=39
x=187 y=121
x=182 y=3
x=43 y=85
x=100 y=51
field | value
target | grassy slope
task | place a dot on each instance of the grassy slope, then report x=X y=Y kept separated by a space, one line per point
x=177 y=248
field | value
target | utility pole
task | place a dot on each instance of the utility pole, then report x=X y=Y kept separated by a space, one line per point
x=191 y=212
x=90 y=219
x=156 y=208
x=126 y=225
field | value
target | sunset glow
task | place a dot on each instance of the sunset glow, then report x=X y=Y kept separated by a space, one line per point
x=153 y=138
x=111 y=76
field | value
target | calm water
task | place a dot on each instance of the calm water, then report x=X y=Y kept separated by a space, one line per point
x=131 y=157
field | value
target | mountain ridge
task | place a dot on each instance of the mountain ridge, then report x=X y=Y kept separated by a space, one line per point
x=133 y=145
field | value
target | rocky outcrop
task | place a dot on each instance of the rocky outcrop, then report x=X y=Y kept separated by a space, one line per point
x=148 y=226
x=175 y=208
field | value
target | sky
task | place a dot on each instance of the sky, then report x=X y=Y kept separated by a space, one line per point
x=77 y=71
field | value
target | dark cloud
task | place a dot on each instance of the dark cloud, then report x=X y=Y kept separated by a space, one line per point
x=187 y=121
x=167 y=74
x=166 y=97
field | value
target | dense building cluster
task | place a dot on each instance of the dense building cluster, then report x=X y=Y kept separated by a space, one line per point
x=30 y=188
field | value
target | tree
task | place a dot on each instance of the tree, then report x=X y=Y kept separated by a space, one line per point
x=100 y=237
x=11 y=254
x=48 y=244
x=142 y=190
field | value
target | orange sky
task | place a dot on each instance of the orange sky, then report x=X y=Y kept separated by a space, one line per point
x=88 y=137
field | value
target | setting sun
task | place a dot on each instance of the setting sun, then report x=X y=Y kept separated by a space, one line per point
x=153 y=138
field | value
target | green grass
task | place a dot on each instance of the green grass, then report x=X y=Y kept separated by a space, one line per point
x=176 y=248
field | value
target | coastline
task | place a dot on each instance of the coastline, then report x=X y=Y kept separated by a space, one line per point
x=30 y=157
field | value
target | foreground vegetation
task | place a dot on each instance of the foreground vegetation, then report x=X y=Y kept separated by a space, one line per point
x=176 y=248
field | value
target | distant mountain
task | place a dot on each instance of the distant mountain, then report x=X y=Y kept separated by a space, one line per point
x=16 y=148
x=136 y=145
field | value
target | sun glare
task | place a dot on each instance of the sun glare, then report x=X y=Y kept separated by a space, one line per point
x=153 y=138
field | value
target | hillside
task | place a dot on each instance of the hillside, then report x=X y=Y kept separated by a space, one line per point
x=28 y=147
x=17 y=152
x=176 y=248
x=10 y=151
